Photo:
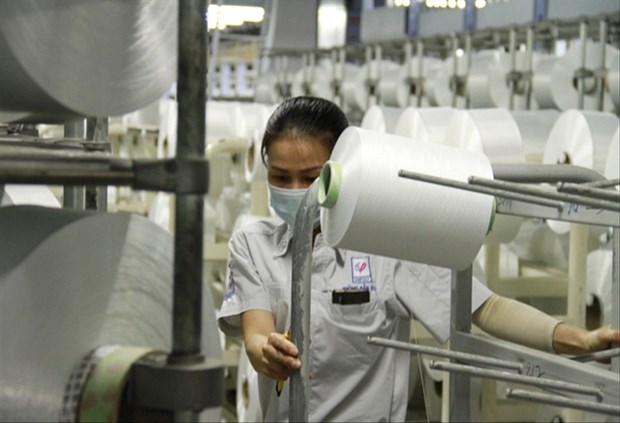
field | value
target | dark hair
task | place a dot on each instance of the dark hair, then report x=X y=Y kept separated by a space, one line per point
x=305 y=116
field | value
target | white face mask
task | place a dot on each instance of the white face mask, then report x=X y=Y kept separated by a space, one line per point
x=286 y=201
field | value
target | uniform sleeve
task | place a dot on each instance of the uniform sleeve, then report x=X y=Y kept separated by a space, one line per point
x=424 y=292
x=245 y=290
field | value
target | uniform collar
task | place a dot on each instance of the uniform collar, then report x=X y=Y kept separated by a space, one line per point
x=284 y=235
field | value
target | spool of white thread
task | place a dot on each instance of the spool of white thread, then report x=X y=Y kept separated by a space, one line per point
x=440 y=90
x=425 y=124
x=65 y=59
x=535 y=127
x=487 y=84
x=71 y=282
x=394 y=86
x=612 y=166
x=321 y=85
x=38 y=195
x=613 y=79
x=254 y=167
x=555 y=85
x=381 y=118
x=357 y=91
x=368 y=207
x=266 y=89
x=494 y=133
x=225 y=119
x=580 y=138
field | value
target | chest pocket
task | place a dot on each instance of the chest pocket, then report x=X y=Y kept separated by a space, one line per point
x=343 y=362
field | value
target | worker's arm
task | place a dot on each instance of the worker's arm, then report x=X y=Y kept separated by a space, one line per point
x=270 y=353
x=517 y=322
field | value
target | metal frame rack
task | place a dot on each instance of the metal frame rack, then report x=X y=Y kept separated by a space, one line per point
x=574 y=384
x=535 y=36
x=185 y=382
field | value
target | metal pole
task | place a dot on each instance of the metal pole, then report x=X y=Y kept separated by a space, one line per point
x=570 y=198
x=513 y=66
x=600 y=79
x=549 y=173
x=421 y=79
x=440 y=352
x=191 y=89
x=491 y=191
x=511 y=377
x=460 y=322
x=300 y=302
x=583 y=29
x=596 y=407
x=603 y=194
x=615 y=292
x=73 y=195
x=97 y=196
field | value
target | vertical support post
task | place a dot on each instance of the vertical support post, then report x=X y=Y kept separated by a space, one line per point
x=421 y=80
x=577 y=263
x=460 y=321
x=300 y=302
x=191 y=89
x=491 y=265
x=600 y=78
x=97 y=196
x=615 y=292
x=73 y=195
x=512 y=43
x=454 y=79
x=468 y=53
x=529 y=37
x=581 y=80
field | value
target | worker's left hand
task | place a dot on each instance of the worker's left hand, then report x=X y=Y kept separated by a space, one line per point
x=601 y=339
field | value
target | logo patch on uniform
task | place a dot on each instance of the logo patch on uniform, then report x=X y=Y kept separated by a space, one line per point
x=230 y=289
x=360 y=270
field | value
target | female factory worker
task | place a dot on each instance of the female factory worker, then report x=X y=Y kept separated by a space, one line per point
x=351 y=380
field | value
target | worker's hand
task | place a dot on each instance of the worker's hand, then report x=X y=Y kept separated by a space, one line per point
x=279 y=356
x=601 y=339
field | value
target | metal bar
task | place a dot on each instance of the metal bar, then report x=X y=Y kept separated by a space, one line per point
x=459 y=385
x=188 y=231
x=583 y=31
x=549 y=173
x=440 y=352
x=574 y=213
x=468 y=187
x=563 y=401
x=542 y=364
x=511 y=377
x=615 y=293
x=538 y=192
x=97 y=130
x=605 y=183
x=73 y=194
x=300 y=302
x=600 y=79
x=600 y=355
x=603 y=194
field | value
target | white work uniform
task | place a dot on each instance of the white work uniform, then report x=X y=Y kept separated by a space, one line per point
x=351 y=380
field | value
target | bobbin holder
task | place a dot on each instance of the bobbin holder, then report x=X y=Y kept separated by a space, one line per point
x=581 y=196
